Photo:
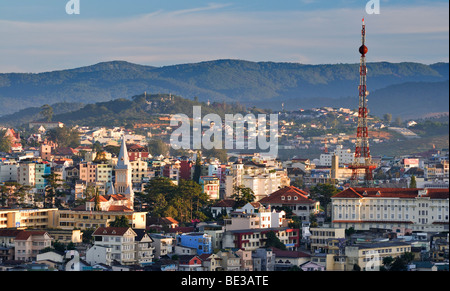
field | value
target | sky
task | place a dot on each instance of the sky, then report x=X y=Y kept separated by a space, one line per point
x=39 y=35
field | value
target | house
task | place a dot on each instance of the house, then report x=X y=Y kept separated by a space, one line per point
x=189 y=263
x=54 y=259
x=199 y=241
x=210 y=262
x=229 y=260
x=164 y=245
x=144 y=248
x=28 y=244
x=285 y=259
x=119 y=241
x=293 y=198
x=223 y=207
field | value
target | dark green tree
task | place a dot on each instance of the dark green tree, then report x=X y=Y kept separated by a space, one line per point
x=273 y=241
x=197 y=168
x=47 y=112
x=413 y=183
x=243 y=195
x=120 y=221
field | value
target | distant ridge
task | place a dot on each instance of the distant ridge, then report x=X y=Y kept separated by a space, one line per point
x=264 y=84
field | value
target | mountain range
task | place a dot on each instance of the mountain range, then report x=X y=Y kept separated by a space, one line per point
x=408 y=90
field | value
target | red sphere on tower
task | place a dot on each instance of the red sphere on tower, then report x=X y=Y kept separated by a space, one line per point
x=363 y=50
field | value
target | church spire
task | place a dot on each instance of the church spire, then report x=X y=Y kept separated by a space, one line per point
x=123 y=161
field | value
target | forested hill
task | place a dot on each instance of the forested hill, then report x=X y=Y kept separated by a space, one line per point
x=143 y=108
x=264 y=84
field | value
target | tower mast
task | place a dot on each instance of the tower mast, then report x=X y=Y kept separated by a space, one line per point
x=363 y=160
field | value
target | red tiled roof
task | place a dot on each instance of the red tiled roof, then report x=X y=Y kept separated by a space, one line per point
x=110 y=231
x=24 y=235
x=392 y=193
x=225 y=203
x=119 y=208
x=290 y=191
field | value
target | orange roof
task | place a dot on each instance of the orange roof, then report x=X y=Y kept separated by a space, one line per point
x=119 y=208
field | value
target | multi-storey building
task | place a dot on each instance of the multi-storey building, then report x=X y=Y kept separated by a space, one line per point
x=29 y=243
x=417 y=209
x=210 y=186
x=120 y=241
x=369 y=257
x=104 y=174
x=320 y=237
x=199 y=241
x=41 y=170
x=8 y=171
x=26 y=174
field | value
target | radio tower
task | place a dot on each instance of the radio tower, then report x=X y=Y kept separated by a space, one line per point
x=363 y=160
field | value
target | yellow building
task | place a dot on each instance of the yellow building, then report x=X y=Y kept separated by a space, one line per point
x=369 y=257
x=28 y=218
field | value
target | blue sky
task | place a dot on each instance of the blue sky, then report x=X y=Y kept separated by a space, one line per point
x=38 y=35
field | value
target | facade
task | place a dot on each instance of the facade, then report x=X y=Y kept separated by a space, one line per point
x=320 y=237
x=26 y=174
x=120 y=241
x=293 y=198
x=28 y=218
x=252 y=239
x=163 y=245
x=201 y=242
x=28 y=244
x=210 y=186
x=41 y=170
x=85 y=219
x=8 y=171
x=417 y=209
x=369 y=257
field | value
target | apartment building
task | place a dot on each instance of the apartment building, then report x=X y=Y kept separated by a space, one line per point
x=417 y=209
x=8 y=171
x=320 y=237
x=369 y=257
x=28 y=244
x=29 y=218
x=120 y=241
x=26 y=174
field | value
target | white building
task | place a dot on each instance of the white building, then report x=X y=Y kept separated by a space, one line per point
x=346 y=156
x=417 y=209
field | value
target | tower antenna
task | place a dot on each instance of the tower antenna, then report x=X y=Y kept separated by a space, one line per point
x=362 y=161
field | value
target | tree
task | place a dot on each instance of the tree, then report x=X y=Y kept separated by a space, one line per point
x=273 y=241
x=323 y=193
x=387 y=118
x=157 y=147
x=51 y=190
x=197 y=168
x=243 y=195
x=413 y=183
x=64 y=136
x=47 y=112
x=120 y=221
x=5 y=142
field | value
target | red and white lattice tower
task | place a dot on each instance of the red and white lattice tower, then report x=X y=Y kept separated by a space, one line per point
x=363 y=161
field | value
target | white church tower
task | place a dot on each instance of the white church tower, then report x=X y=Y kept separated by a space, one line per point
x=123 y=183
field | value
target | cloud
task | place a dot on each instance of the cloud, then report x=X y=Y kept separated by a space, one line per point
x=211 y=32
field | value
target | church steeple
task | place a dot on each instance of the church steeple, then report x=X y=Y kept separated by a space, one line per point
x=123 y=160
x=123 y=184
